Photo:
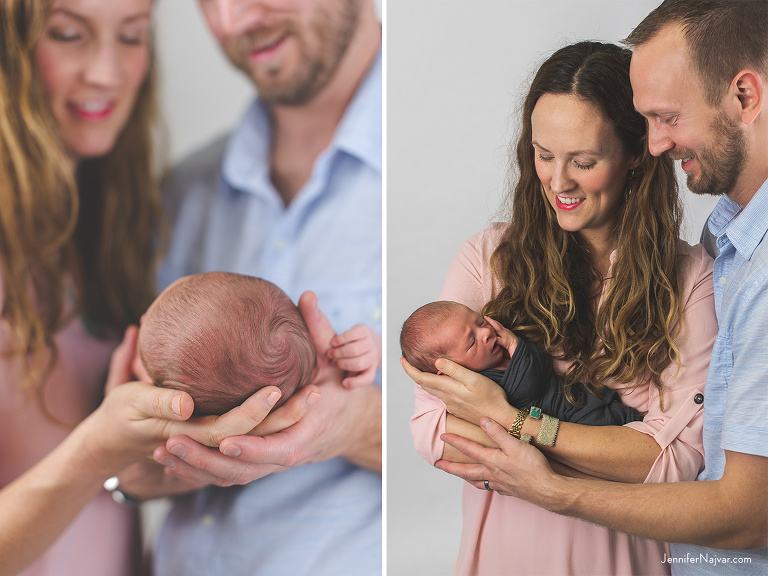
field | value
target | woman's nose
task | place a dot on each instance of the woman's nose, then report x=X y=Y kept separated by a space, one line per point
x=561 y=180
x=103 y=67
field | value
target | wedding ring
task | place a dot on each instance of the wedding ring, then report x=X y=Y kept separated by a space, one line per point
x=487 y=486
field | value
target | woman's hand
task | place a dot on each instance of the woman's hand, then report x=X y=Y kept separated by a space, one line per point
x=466 y=394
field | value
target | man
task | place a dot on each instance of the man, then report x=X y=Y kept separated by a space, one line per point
x=700 y=76
x=292 y=196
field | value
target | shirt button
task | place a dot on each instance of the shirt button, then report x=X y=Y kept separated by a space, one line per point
x=376 y=314
x=699 y=398
x=722 y=280
x=207 y=520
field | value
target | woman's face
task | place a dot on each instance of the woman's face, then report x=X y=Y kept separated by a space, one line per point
x=92 y=58
x=581 y=163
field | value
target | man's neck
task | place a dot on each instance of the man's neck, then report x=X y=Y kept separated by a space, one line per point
x=301 y=133
x=756 y=166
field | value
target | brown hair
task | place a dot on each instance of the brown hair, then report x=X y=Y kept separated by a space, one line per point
x=547 y=276
x=418 y=341
x=82 y=244
x=723 y=36
x=222 y=336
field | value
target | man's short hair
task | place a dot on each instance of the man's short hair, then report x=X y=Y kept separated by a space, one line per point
x=723 y=36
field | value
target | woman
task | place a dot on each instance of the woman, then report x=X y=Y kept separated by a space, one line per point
x=591 y=269
x=78 y=231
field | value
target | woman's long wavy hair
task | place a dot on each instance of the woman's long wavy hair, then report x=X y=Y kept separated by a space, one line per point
x=70 y=244
x=549 y=282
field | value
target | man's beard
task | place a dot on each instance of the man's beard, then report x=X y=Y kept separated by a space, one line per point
x=722 y=163
x=332 y=28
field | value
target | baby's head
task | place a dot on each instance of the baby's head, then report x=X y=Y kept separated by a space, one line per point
x=450 y=330
x=221 y=336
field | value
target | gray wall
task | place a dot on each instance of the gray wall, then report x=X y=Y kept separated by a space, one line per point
x=456 y=70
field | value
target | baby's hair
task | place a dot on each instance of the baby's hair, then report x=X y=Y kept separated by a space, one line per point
x=418 y=341
x=222 y=336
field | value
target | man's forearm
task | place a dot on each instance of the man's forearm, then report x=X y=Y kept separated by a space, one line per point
x=730 y=513
x=365 y=451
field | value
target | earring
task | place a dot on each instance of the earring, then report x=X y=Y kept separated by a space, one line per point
x=629 y=182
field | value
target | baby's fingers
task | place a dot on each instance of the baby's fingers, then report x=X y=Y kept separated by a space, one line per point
x=364 y=378
x=358 y=332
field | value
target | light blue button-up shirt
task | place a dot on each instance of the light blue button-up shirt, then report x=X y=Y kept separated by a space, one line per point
x=322 y=518
x=736 y=393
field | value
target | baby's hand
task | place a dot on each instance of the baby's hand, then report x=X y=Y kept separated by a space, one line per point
x=506 y=338
x=358 y=352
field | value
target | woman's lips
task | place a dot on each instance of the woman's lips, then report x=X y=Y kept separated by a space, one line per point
x=568 y=206
x=91 y=111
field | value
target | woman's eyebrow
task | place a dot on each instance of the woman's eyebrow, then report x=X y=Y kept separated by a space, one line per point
x=84 y=19
x=573 y=153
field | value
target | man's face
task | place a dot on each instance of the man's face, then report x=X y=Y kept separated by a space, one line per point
x=680 y=121
x=289 y=48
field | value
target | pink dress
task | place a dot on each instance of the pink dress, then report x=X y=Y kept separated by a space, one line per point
x=101 y=541
x=502 y=535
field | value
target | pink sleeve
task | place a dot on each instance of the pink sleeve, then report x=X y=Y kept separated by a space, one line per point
x=678 y=428
x=469 y=281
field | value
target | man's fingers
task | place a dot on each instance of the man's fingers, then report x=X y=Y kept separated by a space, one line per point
x=193 y=461
x=320 y=329
x=496 y=432
x=469 y=448
x=469 y=472
x=287 y=415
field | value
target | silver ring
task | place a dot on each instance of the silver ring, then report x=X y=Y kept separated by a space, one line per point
x=487 y=487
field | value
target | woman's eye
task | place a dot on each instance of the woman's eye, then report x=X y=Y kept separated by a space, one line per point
x=585 y=166
x=134 y=38
x=64 y=35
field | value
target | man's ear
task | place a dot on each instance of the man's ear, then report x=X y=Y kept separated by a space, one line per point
x=748 y=87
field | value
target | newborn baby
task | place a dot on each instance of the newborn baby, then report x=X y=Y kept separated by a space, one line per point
x=451 y=330
x=221 y=337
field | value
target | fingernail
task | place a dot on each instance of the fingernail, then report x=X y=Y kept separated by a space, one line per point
x=233 y=451
x=179 y=450
x=402 y=361
x=273 y=398
x=176 y=404
x=312 y=398
x=486 y=423
x=166 y=461
x=440 y=364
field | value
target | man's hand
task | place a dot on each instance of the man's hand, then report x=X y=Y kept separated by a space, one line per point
x=341 y=422
x=514 y=469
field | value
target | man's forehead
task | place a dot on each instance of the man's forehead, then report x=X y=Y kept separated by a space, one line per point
x=662 y=72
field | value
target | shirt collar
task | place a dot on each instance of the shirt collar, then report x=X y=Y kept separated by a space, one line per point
x=246 y=159
x=744 y=228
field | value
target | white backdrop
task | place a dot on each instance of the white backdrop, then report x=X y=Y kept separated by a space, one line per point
x=456 y=70
x=202 y=95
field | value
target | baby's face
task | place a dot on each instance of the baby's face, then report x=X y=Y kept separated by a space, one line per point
x=471 y=340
